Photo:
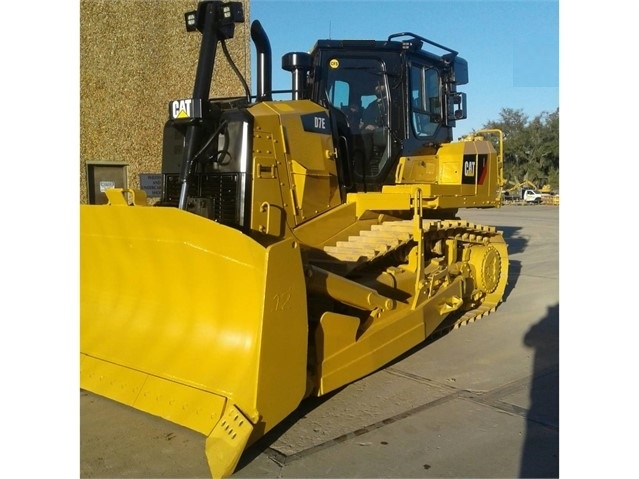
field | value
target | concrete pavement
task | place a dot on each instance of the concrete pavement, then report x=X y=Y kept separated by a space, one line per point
x=481 y=401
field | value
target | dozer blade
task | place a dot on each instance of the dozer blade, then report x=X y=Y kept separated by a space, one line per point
x=192 y=321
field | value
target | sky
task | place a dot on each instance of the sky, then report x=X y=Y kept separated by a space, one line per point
x=512 y=47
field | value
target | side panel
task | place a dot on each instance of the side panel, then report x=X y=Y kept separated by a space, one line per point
x=458 y=175
x=292 y=144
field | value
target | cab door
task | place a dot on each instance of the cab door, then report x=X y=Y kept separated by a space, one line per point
x=358 y=88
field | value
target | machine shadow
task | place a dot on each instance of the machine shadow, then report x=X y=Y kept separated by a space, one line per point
x=263 y=444
x=540 y=453
x=516 y=244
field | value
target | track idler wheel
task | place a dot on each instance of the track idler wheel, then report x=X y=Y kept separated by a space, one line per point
x=487 y=264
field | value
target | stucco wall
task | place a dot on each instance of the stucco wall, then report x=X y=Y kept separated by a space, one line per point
x=135 y=57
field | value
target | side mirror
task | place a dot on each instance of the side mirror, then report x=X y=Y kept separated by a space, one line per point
x=456 y=103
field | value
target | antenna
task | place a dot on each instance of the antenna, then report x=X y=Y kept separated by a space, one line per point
x=329 y=30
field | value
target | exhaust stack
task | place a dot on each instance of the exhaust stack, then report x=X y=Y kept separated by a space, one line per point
x=264 y=62
x=298 y=64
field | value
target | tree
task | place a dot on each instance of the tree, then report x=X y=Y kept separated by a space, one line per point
x=531 y=147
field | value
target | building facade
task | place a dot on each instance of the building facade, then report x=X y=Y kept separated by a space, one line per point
x=135 y=57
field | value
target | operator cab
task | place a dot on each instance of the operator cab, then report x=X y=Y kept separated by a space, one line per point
x=388 y=99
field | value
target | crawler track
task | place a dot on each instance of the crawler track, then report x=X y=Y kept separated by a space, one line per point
x=382 y=240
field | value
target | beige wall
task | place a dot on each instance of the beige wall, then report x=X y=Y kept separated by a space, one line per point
x=135 y=57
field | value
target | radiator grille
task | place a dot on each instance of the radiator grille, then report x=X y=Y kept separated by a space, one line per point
x=222 y=192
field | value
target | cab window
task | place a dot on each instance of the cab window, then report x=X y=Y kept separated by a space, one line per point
x=425 y=100
x=358 y=87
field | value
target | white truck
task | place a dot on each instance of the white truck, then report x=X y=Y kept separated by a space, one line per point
x=531 y=196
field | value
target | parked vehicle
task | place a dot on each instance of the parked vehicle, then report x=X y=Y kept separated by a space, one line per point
x=531 y=196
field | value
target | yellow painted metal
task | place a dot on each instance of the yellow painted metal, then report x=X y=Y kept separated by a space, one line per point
x=208 y=327
x=390 y=198
x=126 y=196
x=336 y=333
x=386 y=338
x=490 y=268
x=439 y=277
x=499 y=158
x=226 y=443
x=450 y=163
x=303 y=161
x=332 y=224
x=346 y=291
x=439 y=176
x=188 y=406
x=190 y=320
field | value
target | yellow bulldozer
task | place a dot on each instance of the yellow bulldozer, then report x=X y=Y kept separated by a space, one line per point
x=297 y=248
